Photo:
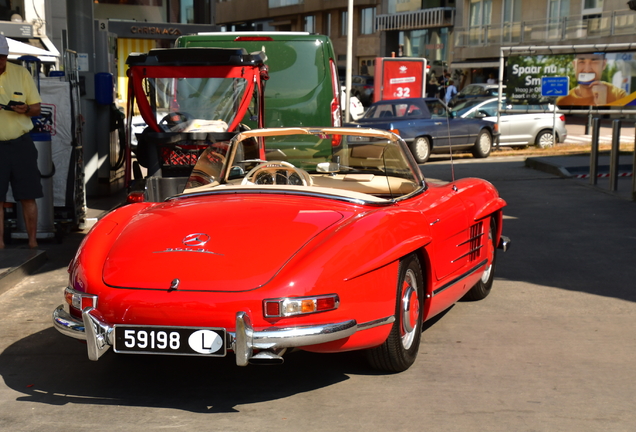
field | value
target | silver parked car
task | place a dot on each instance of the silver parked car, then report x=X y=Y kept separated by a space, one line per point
x=517 y=129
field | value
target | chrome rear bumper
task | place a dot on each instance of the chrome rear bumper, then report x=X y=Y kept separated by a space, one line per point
x=99 y=334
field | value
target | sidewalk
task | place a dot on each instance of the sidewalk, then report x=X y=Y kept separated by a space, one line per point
x=18 y=261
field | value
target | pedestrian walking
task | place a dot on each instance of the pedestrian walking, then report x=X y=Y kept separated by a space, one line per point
x=451 y=91
x=19 y=101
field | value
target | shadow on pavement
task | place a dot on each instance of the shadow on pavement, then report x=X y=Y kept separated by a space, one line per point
x=51 y=369
x=565 y=234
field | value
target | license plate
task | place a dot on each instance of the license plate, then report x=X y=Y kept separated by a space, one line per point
x=170 y=340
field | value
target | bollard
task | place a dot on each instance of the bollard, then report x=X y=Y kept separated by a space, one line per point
x=634 y=171
x=616 y=139
x=596 y=125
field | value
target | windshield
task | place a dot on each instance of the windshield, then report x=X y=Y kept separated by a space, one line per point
x=343 y=164
x=194 y=104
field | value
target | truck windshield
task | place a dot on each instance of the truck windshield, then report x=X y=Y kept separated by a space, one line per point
x=194 y=104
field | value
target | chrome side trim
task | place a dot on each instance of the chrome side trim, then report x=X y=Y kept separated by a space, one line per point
x=470 y=252
x=376 y=323
x=459 y=278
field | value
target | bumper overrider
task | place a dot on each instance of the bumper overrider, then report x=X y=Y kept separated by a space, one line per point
x=270 y=344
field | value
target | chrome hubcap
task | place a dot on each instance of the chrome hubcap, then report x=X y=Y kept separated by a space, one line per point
x=484 y=143
x=409 y=310
x=421 y=148
x=486 y=275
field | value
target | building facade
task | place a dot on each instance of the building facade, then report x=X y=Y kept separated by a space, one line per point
x=482 y=27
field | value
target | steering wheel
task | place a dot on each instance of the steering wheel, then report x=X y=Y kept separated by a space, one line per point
x=277 y=173
x=170 y=120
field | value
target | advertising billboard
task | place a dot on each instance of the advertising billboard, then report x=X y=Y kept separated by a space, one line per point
x=399 y=78
x=595 y=79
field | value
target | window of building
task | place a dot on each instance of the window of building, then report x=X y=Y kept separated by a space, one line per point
x=558 y=9
x=187 y=11
x=592 y=6
x=511 y=20
x=480 y=12
x=343 y=23
x=512 y=11
x=310 y=23
x=367 y=21
x=326 y=24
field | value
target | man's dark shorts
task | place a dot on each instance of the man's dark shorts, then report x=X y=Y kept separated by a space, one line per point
x=19 y=167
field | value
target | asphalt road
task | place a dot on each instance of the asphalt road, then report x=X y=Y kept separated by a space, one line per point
x=551 y=349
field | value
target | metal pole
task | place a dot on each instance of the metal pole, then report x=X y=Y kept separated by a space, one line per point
x=634 y=170
x=596 y=124
x=499 y=97
x=349 y=61
x=616 y=137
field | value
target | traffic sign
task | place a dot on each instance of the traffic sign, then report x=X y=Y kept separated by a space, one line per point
x=555 y=86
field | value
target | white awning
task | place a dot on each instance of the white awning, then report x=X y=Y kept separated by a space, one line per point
x=18 y=49
x=475 y=65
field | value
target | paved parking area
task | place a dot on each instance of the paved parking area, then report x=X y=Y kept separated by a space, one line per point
x=551 y=349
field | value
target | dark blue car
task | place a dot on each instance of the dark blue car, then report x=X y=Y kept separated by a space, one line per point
x=427 y=126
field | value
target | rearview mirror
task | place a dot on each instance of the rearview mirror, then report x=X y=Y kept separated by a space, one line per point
x=328 y=167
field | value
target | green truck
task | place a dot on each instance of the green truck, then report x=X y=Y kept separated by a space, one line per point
x=303 y=87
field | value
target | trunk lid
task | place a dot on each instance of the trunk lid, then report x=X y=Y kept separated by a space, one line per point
x=224 y=243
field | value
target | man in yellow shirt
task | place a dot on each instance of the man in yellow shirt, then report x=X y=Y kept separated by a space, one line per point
x=591 y=91
x=19 y=101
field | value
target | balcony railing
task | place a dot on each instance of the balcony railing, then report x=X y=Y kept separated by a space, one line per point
x=615 y=23
x=425 y=18
x=282 y=3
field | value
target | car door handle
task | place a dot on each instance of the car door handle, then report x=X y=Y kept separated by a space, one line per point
x=438 y=123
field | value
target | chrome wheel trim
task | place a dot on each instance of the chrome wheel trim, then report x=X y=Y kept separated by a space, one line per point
x=409 y=310
x=422 y=148
x=484 y=143
x=546 y=140
x=486 y=275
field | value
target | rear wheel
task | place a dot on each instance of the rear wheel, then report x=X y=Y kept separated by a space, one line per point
x=421 y=149
x=545 y=139
x=482 y=288
x=400 y=349
x=483 y=145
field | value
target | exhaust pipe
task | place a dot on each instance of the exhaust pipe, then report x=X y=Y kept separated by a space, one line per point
x=268 y=357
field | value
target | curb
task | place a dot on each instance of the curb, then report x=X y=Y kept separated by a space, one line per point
x=21 y=264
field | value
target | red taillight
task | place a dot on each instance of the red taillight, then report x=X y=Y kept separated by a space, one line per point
x=336 y=113
x=135 y=197
x=336 y=140
x=253 y=38
x=395 y=131
x=272 y=308
x=325 y=303
x=286 y=307
x=562 y=118
x=336 y=119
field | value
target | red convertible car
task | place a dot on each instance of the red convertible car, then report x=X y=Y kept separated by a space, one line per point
x=320 y=239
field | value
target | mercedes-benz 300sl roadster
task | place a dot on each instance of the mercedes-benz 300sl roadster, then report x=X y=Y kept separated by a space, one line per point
x=325 y=240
